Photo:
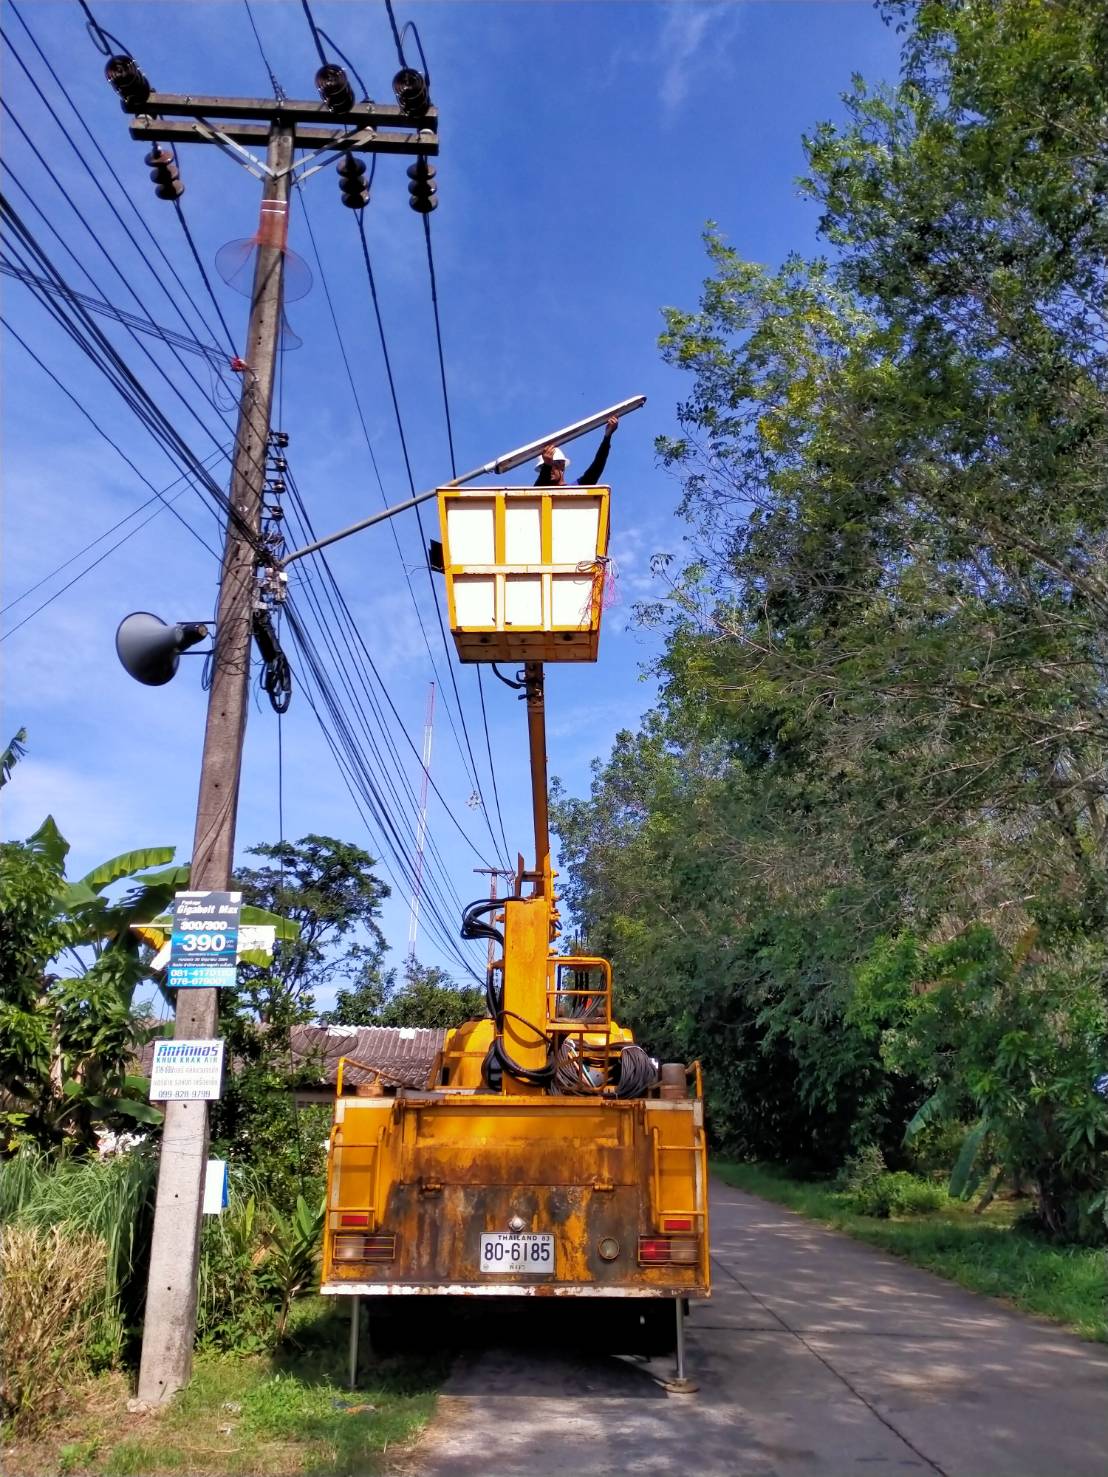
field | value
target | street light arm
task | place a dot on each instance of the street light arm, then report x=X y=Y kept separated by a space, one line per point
x=503 y=463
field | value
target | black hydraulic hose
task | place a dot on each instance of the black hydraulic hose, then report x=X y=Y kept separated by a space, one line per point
x=473 y=928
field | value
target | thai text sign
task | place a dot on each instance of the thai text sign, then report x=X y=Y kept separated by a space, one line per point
x=205 y=942
x=186 y=1071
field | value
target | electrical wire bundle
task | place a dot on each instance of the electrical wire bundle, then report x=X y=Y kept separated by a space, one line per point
x=579 y=1071
x=344 y=689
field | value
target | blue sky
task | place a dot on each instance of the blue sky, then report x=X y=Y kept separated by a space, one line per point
x=584 y=145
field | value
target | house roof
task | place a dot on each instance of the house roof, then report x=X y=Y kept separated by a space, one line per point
x=402 y=1054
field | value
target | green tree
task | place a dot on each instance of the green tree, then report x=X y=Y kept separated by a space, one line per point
x=329 y=889
x=68 y=1041
x=1014 y=1040
x=885 y=662
x=424 y=996
x=329 y=892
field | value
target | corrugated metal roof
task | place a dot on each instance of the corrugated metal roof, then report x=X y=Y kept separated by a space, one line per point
x=403 y=1054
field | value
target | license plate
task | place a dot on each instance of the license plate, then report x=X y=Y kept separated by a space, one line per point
x=501 y=1252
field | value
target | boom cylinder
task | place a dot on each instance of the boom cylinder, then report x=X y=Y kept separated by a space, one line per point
x=534 y=678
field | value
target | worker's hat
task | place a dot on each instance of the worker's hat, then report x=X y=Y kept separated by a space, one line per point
x=559 y=456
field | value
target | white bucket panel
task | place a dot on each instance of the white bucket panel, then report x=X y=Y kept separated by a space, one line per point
x=475 y=600
x=571 y=599
x=522 y=531
x=471 y=531
x=523 y=601
x=574 y=526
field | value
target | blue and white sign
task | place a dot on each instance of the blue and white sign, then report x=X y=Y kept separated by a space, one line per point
x=215 y=1187
x=205 y=942
x=186 y=1071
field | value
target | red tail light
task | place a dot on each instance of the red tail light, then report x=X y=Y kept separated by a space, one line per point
x=352 y=1218
x=654 y=1249
x=679 y=1250
x=677 y=1225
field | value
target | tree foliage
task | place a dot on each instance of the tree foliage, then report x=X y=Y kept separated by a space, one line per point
x=329 y=889
x=882 y=710
x=68 y=1042
x=425 y=995
x=329 y=892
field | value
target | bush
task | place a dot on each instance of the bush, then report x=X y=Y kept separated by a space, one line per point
x=934 y=1148
x=253 y=1262
x=53 y=1283
x=896 y=1194
x=234 y=1310
x=862 y=1170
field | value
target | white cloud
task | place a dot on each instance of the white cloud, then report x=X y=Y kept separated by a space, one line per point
x=692 y=44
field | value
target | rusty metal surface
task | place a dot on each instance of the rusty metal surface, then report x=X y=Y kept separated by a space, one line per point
x=440 y=1171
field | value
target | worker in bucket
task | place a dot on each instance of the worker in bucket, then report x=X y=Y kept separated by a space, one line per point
x=553 y=462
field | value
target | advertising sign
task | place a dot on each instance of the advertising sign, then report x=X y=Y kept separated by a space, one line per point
x=186 y=1071
x=205 y=940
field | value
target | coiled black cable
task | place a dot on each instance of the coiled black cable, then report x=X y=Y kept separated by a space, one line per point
x=638 y=1072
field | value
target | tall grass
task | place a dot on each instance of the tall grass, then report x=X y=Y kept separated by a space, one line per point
x=110 y=1200
x=52 y=1291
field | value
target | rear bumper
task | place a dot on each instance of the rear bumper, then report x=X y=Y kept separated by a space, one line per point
x=506 y=1289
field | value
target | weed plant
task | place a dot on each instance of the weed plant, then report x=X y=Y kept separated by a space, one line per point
x=868 y=1188
x=267 y=1415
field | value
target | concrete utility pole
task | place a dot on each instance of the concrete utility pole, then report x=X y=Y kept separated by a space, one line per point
x=170 y=1321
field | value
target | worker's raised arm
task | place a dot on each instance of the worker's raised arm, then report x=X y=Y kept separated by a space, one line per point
x=595 y=470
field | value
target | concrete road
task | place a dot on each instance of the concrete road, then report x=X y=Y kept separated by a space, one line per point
x=815 y=1356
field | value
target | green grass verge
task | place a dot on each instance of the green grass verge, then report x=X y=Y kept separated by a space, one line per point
x=984 y=1252
x=285 y=1415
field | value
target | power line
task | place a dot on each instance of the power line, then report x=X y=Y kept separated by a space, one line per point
x=106 y=359
x=395 y=33
x=454 y=473
x=438 y=341
x=203 y=272
x=106 y=162
x=159 y=496
x=121 y=315
x=359 y=776
x=100 y=430
x=380 y=484
x=278 y=90
x=315 y=33
x=94 y=176
x=419 y=517
x=97 y=561
x=492 y=766
x=68 y=293
x=120 y=375
x=352 y=627
x=116 y=269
